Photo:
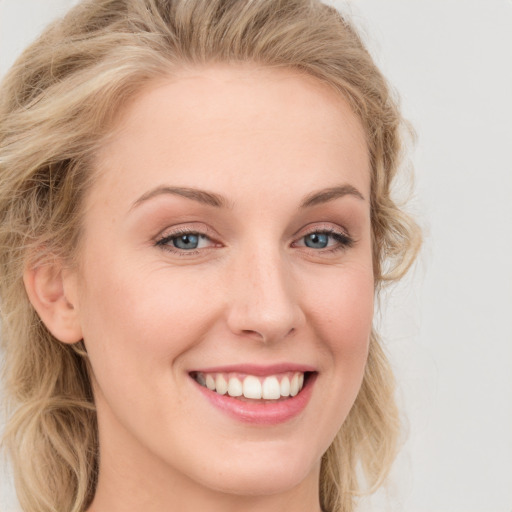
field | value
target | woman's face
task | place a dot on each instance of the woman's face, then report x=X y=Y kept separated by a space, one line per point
x=227 y=245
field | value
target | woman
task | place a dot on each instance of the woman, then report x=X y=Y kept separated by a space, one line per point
x=196 y=217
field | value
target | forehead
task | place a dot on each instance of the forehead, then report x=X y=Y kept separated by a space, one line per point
x=222 y=122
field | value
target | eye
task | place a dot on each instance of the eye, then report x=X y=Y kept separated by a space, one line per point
x=186 y=241
x=316 y=240
x=325 y=239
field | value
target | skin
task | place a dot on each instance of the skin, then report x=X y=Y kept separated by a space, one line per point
x=253 y=291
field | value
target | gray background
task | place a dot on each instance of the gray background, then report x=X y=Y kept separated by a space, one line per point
x=448 y=327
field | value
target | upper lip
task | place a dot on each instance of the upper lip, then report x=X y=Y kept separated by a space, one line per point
x=257 y=370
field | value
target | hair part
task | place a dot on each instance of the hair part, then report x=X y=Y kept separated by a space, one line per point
x=59 y=102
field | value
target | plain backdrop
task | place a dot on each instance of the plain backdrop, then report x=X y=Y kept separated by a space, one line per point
x=448 y=327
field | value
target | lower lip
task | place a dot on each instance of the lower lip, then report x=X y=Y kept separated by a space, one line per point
x=264 y=413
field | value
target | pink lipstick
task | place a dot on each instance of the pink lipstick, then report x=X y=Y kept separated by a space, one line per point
x=265 y=395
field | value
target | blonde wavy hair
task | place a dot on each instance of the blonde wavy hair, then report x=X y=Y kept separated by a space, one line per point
x=57 y=105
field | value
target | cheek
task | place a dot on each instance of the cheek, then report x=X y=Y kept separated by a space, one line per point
x=137 y=325
x=342 y=317
x=343 y=312
x=139 y=315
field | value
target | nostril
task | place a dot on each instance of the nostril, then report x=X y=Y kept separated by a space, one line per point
x=252 y=334
x=266 y=336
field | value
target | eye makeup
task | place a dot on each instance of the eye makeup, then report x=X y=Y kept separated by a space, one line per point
x=191 y=240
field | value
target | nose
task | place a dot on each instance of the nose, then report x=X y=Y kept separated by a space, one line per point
x=264 y=301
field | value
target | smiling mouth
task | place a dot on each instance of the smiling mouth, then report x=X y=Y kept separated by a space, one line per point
x=251 y=387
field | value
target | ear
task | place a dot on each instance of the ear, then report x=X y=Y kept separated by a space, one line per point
x=52 y=290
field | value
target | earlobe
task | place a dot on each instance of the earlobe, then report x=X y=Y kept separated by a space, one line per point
x=48 y=288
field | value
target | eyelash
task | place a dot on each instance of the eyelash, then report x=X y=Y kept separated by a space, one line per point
x=164 y=241
x=343 y=240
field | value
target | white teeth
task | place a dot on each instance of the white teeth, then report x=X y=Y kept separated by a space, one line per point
x=294 y=385
x=235 y=387
x=271 y=389
x=221 y=384
x=210 y=382
x=252 y=387
x=285 y=386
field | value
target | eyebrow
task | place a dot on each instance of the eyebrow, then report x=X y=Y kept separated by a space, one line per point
x=329 y=194
x=201 y=196
x=218 y=201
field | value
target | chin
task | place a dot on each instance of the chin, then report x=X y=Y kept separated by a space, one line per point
x=259 y=475
x=264 y=483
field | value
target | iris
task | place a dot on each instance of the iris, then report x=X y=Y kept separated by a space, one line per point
x=316 y=240
x=188 y=241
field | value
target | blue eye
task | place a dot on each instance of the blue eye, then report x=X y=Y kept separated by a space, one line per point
x=185 y=241
x=188 y=241
x=325 y=239
x=316 y=240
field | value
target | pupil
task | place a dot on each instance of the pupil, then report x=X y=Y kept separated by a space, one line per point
x=186 y=242
x=317 y=240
